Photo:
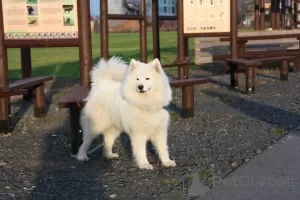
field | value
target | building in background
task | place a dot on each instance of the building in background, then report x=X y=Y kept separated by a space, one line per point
x=167 y=7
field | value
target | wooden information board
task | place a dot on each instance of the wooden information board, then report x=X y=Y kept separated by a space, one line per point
x=206 y=16
x=40 y=19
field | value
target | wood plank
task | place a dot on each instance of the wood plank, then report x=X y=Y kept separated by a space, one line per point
x=247 y=63
x=263 y=35
x=276 y=59
x=187 y=82
x=74 y=97
x=28 y=82
x=13 y=93
x=259 y=54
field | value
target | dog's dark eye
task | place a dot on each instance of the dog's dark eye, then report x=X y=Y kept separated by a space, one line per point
x=137 y=79
x=147 y=78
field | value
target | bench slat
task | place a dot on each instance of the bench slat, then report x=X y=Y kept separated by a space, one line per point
x=259 y=61
x=28 y=82
x=247 y=63
x=74 y=97
x=276 y=59
x=188 y=82
x=13 y=93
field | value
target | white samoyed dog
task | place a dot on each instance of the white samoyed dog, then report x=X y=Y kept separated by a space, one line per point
x=128 y=99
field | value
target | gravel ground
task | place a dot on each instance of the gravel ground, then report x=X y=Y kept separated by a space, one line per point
x=228 y=129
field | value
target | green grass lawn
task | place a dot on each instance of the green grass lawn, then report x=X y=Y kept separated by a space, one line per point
x=65 y=61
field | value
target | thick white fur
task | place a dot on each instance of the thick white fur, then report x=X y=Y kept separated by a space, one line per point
x=115 y=104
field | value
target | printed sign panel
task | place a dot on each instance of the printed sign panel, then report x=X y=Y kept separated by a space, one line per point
x=40 y=19
x=206 y=16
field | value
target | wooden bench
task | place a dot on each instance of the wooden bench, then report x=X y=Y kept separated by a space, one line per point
x=250 y=67
x=35 y=88
x=74 y=100
x=244 y=37
x=29 y=88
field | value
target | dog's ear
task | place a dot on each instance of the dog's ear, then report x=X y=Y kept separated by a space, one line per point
x=133 y=64
x=156 y=64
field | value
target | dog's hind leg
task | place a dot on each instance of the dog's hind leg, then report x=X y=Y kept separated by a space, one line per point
x=159 y=141
x=88 y=136
x=110 y=137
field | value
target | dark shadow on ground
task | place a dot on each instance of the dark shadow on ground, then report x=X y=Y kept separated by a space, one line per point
x=275 y=116
x=61 y=177
x=24 y=105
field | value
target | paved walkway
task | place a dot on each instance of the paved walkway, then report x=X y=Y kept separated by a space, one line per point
x=272 y=175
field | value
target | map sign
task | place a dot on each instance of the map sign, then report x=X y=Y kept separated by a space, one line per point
x=206 y=16
x=40 y=19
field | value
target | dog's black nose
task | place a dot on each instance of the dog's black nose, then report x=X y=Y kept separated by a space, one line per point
x=140 y=87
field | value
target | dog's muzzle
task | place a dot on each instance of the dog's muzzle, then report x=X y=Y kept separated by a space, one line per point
x=140 y=89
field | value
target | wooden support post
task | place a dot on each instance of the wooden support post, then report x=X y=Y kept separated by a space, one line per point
x=155 y=29
x=273 y=14
x=277 y=19
x=5 y=121
x=256 y=15
x=76 y=132
x=85 y=42
x=26 y=71
x=104 y=29
x=262 y=14
x=186 y=53
x=143 y=33
x=181 y=47
x=296 y=64
x=234 y=76
x=188 y=101
x=250 y=80
x=39 y=101
x=26 y=62
x=284 y=76
x=242 y=49
x=5 y=118
x=234 y=30
x=233 y=43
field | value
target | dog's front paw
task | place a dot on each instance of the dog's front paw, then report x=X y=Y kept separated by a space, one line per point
x=169 y=163
x=82 y=157
x=145 y=166
x=111 y=156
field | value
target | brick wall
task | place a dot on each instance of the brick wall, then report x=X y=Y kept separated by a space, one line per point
x=133 y=26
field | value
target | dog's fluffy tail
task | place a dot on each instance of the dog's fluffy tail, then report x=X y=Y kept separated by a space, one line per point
x=114 y=69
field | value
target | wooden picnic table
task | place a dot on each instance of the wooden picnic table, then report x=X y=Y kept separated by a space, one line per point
x=244 y=37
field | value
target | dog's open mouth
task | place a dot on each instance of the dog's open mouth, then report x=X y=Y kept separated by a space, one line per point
x=143 y=91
